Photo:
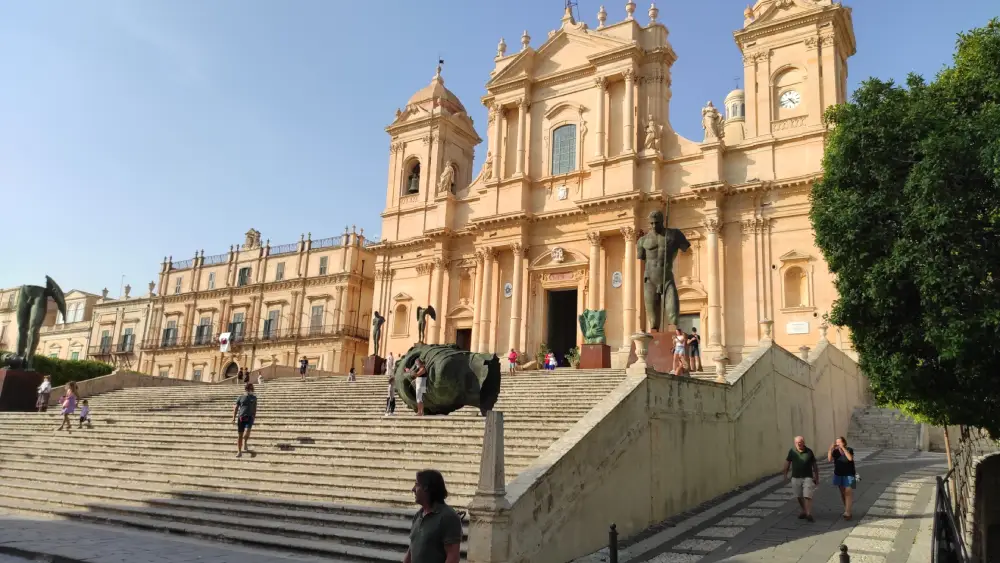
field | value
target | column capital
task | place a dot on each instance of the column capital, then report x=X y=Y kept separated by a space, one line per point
x=629 y=232
x=629 y=75
x=601 y=82
x=439 y=263
x=713 y=225
x=517 y=248
x=594 y=238
x=486 y=253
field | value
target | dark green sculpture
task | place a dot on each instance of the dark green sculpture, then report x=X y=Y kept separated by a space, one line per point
x=592 y=326
x=658 y=248
x=32 y=306
x=456 y=379
x=422 y=314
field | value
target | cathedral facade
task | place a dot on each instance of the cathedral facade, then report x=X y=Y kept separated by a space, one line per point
x=579 y=150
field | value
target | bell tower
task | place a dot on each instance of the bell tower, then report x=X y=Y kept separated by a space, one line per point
x=430 y=161
x=795 y=63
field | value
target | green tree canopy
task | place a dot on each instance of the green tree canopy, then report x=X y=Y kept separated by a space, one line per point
x=908 y=217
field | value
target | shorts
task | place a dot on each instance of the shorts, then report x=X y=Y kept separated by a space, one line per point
x=846 y=481
x=511 y=365
x=695 y=353
x=302 y=371
x=244 y=424
x=803 y=487
x=679 y=350
x=421 y=388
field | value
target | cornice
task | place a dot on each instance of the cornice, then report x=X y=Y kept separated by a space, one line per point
x=610 y=202
x=807 y=22
x=625 y=52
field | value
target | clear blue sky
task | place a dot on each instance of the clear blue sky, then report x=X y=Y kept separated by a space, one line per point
x=134 y=129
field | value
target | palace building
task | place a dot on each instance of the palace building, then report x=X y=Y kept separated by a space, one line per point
x=277 y=304
x=579 y=150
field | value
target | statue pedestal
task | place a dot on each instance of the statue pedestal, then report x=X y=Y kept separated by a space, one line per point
x=18 y=390
x=661 y=351
x=595 y=356
x=374 y=365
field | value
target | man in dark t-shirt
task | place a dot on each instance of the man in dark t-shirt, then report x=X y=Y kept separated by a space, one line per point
x=844 y=472
x=244 y=414
x=805 y=475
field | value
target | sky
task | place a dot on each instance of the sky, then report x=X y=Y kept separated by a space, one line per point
x=135 y=129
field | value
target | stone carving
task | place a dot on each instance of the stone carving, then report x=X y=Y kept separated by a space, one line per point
x=455 y=379
x=653 y=132
x=488 y=166
x=711 y=122
x=558 y=255
x=422 y=314
x=592 y=325
x=377 y=321
x=128 y=289
x=658 y=248
x=252 y=241
x=32 y=306
x=447 y=181
x=501 y=48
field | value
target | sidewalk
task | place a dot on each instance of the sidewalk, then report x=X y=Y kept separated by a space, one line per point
x=891 y=512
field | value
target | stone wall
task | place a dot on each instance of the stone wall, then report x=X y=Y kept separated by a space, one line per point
x=116 y=381
x=976 y=462
x=880 y=428
x=660 y=445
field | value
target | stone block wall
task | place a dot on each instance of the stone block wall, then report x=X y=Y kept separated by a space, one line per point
x=116 y=381
x=879 y=428
x=976 y=462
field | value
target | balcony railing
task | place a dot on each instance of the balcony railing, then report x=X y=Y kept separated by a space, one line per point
x=327 y=242
x=216 y=260
x=182 y=265
x=284 y=249
x=261 y=336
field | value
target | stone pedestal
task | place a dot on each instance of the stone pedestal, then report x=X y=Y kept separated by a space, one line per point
x=374 y=365
x=660 y=356
x=19 y=390
x=595 y=356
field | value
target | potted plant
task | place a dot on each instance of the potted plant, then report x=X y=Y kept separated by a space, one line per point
x=573 y=357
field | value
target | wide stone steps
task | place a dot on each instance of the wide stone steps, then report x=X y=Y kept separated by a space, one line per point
x=327 y=475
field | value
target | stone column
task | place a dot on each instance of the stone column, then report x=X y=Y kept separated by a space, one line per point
x=712 y=227
x=477 y=301
x=486 y=301
x=432 y=329
x=489 y=522
x=602 y=83
x=497 y=137
x=338 y=319
x=594 y=295
x=628 y=286
x=629 y=107
x=522 y=114
x=514 y=334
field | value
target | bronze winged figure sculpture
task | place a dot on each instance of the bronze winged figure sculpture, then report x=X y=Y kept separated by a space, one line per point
x=422 y=314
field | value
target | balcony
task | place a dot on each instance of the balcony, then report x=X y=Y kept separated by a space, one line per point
x=238 y=337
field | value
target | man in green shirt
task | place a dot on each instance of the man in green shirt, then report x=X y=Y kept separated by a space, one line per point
x=805 y=475
x=436 y=533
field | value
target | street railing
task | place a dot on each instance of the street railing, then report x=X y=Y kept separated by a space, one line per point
x=947 y=545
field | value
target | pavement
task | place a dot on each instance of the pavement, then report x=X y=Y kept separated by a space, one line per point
x=892 y=520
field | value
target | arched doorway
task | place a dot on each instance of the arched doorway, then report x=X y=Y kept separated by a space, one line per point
x=231 y=370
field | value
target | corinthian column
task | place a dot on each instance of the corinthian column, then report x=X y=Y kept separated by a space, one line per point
x=477 y=298
x=628 y=287
x=433 y=330
x=522 y=115
x=497 y=137
x=594 y=295
x=602 y=83
x=712 y=228
x=514 y=334
x=486 y=300
x=629 y=107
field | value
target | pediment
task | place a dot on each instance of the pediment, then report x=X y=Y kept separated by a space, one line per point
x=77 y=294
x=691 y=293
x=768 y=11
x=579 y=108
x=560 y=257
x=566 y=49
x=402 y=297
x=461 y=312
x=795 y=256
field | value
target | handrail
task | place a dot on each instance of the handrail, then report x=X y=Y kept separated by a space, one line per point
x=948 y=545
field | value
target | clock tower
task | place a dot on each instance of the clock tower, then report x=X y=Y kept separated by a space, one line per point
x=795 y=63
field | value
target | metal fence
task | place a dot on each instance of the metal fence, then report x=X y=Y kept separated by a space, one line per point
x=947 y=545
x=182 y=265
x=216 y=260
x=284 y=249
x=327 y=242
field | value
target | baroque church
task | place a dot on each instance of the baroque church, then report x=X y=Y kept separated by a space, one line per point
x=579 y=150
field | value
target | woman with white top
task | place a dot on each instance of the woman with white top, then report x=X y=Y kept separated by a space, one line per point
x=680 y=351
x=44 y=391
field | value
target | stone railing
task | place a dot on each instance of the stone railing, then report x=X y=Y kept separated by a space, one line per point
x=116 y=381
x=656 y=446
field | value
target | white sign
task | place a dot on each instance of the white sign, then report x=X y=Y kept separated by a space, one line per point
x=508 y=290
x=562 y=192
x=616 y=280
x=224 y=342
x=797 y=328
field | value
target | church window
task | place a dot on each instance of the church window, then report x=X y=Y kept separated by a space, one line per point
x=564 y=150
x=412 y=179
x=796 y=288
x=177 y=284
x=399 y=320
x=211 y=280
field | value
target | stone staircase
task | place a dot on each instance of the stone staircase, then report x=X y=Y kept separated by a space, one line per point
x=329 y=474
x=878 y=428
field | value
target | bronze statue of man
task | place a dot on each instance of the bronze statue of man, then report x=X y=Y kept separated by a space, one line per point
x=658 y=248
x=422 y=314
x=377 y=321
x=32 y=306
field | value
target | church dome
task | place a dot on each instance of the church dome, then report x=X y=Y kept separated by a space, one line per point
x=737 y=93
x=436 y=90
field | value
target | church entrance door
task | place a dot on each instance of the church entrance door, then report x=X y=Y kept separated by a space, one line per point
x=562 y=323
x=463 y=338
x=231 y=370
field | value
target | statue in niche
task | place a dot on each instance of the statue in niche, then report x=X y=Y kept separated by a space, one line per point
x=658 y=248
x=653 y=132
x=447 y=181
x=711 y=122
x=413 y=181
x=488 y=166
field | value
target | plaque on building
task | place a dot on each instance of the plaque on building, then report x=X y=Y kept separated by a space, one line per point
x=797 y=328
x=616 y=280
x=508 y=290
x=562 y=192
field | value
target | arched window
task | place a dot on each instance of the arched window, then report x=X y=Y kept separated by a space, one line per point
x=399 y=320
x=564 y=150
x=412 y=185
x=796 y=288
x=454 y=178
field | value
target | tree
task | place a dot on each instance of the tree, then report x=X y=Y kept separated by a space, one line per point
x=908 y=217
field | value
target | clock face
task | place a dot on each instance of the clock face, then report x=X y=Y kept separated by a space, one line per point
x=790 y=99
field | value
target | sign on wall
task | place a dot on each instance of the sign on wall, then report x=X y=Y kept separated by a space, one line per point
x=797 y=328
x=562 y=192
x=616 y=280
x=508 y=290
